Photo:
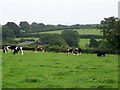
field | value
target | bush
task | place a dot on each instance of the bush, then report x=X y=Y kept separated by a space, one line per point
x=55 y=48
x=93 y=43
x=52 y=39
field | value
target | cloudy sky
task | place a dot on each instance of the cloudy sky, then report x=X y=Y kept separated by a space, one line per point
x=57 y=11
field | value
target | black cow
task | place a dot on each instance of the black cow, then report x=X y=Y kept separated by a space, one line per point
x=77 y=51
x=101 y=54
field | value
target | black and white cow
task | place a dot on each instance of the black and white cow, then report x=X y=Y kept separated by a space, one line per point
x=15 y=49
x=101 y=54
x=69 y=50
x=40 y=49
x=77 y=51
x=6 y=49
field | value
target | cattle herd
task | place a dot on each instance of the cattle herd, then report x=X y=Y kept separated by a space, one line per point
x=18 y=50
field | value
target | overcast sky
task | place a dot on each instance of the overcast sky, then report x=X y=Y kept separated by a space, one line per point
x=57 y=11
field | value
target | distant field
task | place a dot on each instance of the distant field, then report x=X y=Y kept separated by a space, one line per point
x=85 y=41
x=18 y=39
x=89 y=31
x=81 y=31
x=58 y=70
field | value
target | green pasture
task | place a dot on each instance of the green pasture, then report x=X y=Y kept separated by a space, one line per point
x=59 y=70
x=89 y=31
x=83 y=42
x=81 y=31
x=18 y=39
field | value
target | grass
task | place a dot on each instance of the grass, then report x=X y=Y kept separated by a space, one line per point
x=81 y=31
x=84 y=41
x=56 y=70
x=89 y=31
x=18 y=39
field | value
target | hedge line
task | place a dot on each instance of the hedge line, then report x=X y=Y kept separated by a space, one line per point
x=62 y=49
x=39 y=35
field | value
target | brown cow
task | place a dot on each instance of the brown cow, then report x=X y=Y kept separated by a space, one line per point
x=40 y=49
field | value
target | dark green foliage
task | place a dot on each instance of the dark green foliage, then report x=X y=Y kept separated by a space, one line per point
x=71 y=37
x=24 y=26
x=55 y=48
x=52 y=39
x=13 y=26
x=93 y=43
x=7 y=34
x=111 y=31
x=37 y=27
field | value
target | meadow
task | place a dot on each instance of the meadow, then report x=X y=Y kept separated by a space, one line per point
x=81 y=32
x=59 y=70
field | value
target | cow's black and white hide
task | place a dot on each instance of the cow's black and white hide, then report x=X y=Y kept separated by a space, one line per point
x=77 y=51
x=101 y=54
x=18 y=50
x=15 y=49
x=40 y=49
x=69 y=50
x=7 y=49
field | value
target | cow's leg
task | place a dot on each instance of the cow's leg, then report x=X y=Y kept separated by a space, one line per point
x=80 y=53
x=4 y=50
x=21 y=52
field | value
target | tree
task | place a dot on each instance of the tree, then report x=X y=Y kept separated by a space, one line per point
x=41 y=25
x=93 y=43
x=7 y=34
x=34 y=26
x=71 y=37
x=14 y=27
x=111 y=31
x=52 y=39
x=24 y=26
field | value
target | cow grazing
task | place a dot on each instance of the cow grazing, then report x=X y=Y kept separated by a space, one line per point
x=69 y=50
x=40 y=49
x=101 y=54
x=15 y=49
x=18 y=50
x=6 y=49
x=77 y=51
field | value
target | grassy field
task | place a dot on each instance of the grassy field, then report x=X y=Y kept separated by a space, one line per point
x=56 y=70
x=84 y=41
x=18 y=39
x=89 y=31
x=81 y=31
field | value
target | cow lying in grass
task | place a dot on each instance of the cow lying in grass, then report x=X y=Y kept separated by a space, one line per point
x=15 y=49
